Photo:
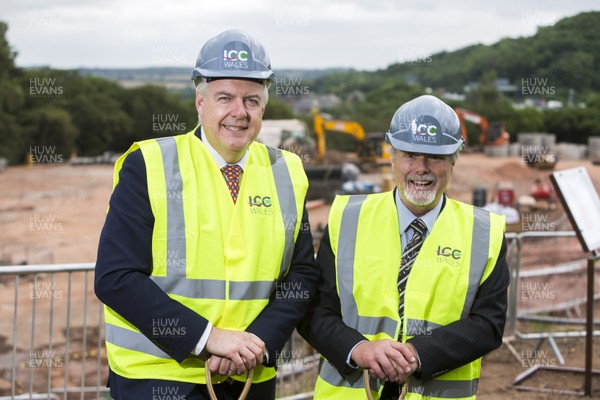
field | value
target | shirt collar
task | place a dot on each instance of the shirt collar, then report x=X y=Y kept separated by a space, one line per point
x=217 y=157
x=405 y=216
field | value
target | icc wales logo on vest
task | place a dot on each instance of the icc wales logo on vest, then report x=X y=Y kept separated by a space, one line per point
x=449 y=255
x=260 y=205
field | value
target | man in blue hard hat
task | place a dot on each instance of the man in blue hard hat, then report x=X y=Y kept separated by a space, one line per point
x=206 y=234
x=414 y=287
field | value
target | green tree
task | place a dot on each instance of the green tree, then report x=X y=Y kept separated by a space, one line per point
x=11 y=101
x=155 y=112
x=487 y=100
x=277 y=109
x=525 y=120
x=51 y=129
x=573 y=124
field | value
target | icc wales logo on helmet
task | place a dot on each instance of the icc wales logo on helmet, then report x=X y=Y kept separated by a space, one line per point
x=236 y=55
x=425 y=129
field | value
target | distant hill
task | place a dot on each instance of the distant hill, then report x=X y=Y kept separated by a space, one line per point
x=179 y=77
x=565 y=56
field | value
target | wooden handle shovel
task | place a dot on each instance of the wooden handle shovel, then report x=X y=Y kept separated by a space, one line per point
x=211 y=390
x=368 y=386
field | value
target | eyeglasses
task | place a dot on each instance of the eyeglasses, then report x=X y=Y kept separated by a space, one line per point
x=430 y=159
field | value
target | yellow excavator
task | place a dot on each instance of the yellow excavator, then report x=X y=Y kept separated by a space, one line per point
x=369 y=148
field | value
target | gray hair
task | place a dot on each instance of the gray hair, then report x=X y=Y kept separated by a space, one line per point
x=452 y=157
x=202 y=87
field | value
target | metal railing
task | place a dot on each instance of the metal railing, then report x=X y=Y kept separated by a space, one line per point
x=53 y=327
x=57 y=333
x=546 y=268
x=54 y=343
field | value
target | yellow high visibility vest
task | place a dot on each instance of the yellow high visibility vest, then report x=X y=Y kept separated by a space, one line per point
x=218 y=258
x=449 y=268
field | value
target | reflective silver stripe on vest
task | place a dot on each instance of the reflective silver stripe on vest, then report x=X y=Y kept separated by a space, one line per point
x=479 y=255
x=345 y=265
x=444 y=389
x=253 y=290
x=375 y=325
x=418 y=327
x=132 y=341
x=287 y=204
x=176 y=252
x=355 y=380
x=175 y=281
x=215 y=289
x=192 y=288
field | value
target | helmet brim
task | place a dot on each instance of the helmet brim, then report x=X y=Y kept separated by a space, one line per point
x=423 y=148
x=205 y=73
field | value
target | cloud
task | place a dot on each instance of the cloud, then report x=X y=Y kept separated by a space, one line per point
x=359 y=33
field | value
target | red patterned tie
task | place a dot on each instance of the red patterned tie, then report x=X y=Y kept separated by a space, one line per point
x=232 y=177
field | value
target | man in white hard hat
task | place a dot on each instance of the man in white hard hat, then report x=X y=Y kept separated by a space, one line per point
x=414 y=283
x=206 y=250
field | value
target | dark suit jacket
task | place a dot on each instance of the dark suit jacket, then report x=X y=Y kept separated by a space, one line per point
x=446 y=348
x=122 y=280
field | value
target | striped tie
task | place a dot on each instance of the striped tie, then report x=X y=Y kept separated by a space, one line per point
x=232 y=177
x=408 y=259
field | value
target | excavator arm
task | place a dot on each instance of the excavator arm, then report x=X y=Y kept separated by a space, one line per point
x=499 y=135
x=321 y=125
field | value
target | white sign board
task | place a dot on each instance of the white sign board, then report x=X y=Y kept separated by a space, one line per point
x=581 y=201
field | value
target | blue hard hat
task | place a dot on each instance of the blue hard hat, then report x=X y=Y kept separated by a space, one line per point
x=233 y=54
x=425 y=125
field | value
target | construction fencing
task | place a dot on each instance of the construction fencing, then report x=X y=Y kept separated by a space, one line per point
x=52 y=327
x=52 y=338
x=548 y=281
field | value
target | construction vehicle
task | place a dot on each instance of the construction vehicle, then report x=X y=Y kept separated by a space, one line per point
x=492 y=134
x=370 y=148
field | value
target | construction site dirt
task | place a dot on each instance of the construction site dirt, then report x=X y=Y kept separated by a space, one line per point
x=53 y=214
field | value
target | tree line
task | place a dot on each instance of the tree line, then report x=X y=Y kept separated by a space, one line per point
x=46 y=108
x=64 y=113
x=557 y=64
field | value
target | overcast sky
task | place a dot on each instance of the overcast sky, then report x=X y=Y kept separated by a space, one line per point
x=362 y=34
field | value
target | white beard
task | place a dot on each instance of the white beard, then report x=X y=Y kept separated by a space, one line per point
x=420 y=197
